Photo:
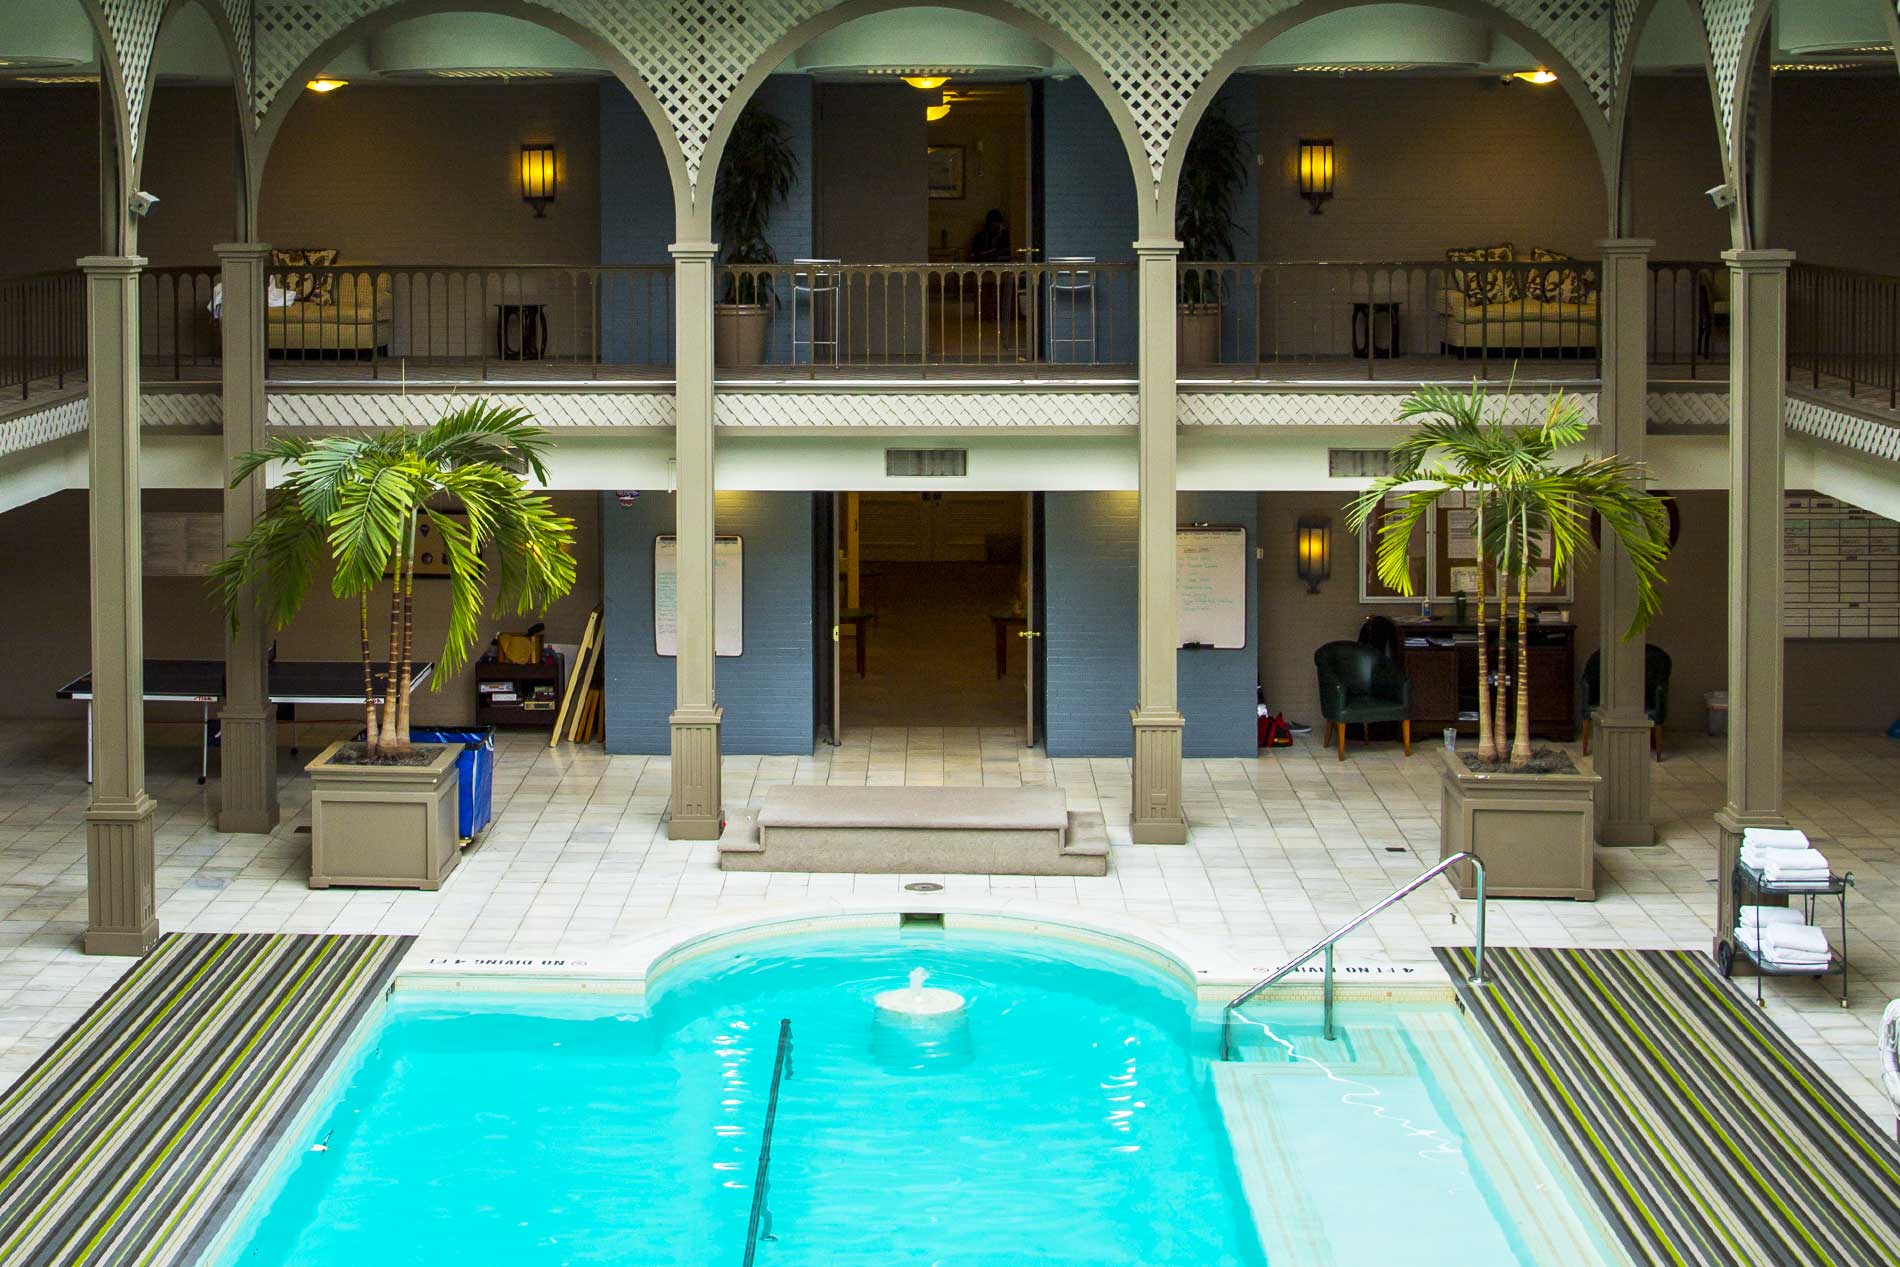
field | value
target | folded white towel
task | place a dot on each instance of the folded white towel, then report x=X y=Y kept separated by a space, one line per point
x=1794 y=964
x=1794 y=940
x=1751 y=916
x=1775 y=837
x=1793 y=862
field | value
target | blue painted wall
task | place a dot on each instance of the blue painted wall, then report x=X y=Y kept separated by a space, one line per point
x=767 y=692
x=1090 y=586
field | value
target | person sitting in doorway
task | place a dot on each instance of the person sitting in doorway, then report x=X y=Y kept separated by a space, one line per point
x=991 y=243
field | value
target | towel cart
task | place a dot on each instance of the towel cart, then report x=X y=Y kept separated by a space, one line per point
x=1749 y=882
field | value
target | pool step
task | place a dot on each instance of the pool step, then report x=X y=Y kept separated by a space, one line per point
x=916 y=830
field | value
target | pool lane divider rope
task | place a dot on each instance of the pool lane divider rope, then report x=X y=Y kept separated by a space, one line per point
x=1707 y=1138
x=137 y=1132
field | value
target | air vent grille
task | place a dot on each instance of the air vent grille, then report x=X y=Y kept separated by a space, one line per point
x=927 y=463
x=1352 y=464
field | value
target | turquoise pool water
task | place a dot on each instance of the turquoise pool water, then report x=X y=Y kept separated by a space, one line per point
x=1075 y=1118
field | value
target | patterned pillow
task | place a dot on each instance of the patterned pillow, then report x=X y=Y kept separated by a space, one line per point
x=1557 y=285
x=1489 y=285
x=310 y=288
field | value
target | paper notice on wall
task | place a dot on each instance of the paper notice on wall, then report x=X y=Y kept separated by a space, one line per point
x=181 y=544
x=1461 y=535
x=728 y=596
x=1464 y=580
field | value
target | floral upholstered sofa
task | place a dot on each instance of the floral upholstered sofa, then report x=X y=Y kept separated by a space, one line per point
x=328 y=309
x=1494 y=301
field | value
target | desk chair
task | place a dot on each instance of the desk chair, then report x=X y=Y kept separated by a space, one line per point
x=1656 y=668
x=1358 y=683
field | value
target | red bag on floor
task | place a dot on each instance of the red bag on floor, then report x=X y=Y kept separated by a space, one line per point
x=1274 y=732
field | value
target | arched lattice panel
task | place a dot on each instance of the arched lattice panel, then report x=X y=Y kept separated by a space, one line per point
x=1622 y=32
x=134 y=28
x=238 y=14
x=1725 y=26
x=1584 y=32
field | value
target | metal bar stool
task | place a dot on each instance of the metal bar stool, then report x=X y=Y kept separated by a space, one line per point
x=814 y=281
x=1071 y=307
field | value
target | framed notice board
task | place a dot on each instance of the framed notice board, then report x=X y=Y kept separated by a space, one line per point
x=1210 y=587
x=728 y=596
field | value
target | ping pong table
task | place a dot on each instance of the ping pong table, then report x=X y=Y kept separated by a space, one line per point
x=337 y=683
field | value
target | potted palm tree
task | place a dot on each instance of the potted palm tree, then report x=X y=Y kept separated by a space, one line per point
x=1528 y=812
x=1212 y=172
x=757 y=174
x=382 y=808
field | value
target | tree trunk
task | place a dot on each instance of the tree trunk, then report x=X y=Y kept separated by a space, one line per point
x=371 y=731
x=1499 y=733
x=399 y=682
x=1521 y=742
x=1487 y=742
x=390 y=734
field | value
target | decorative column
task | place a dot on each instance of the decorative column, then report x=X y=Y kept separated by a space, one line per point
x=698 y=812
x=1619 y=728
x=122 y=915
x=1758 y=327
x=1158 y=817
x=247 y=766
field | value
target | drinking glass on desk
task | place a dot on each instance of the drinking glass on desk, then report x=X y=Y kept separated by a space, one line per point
x=1451 y=739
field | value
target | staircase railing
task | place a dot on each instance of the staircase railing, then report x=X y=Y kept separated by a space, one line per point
x=1324 y=946
x=759 y=1226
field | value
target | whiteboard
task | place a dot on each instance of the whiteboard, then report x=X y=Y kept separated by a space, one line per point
x=1210 y=587
x=728 y=596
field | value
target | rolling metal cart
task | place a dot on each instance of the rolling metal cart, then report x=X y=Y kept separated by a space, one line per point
x=1749 y=881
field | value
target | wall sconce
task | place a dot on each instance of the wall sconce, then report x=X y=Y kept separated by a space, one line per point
x=1316 y=171
x=539 y=178
x=1313 y=545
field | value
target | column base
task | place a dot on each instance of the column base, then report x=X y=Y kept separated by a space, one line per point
x=247 y=770
x=1732 y=823
x=1157 y=816
x=1621 y=755
x=122 y=915
x=698 y=805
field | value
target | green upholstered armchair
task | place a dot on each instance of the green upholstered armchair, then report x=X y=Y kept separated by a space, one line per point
x=1656 y=666
x=1360 y=683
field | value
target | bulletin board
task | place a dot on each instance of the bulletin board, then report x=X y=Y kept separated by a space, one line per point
x=1210 y=587
x=728 y=596
x=181 y=543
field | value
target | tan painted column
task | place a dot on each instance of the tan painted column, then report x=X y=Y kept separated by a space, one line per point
x=1758 y=329
x=247 y=764
x=697 y=806
x=1158 y=816
x=122 y=916
x=1619 y=729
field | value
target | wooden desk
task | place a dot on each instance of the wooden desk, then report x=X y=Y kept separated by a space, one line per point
x=1001 y=625
x=860 y=621
x=1445 y=678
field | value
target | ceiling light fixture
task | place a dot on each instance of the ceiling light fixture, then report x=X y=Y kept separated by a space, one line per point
x=324 y=83
x=926 y=83
x=1542 y=75
x=933 y=113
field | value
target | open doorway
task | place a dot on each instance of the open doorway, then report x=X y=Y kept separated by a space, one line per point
x=936 y=596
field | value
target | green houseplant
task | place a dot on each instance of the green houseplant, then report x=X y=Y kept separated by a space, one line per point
x=364 y=502
x=1212 y=172
x=756 y=176
x=1528 y=814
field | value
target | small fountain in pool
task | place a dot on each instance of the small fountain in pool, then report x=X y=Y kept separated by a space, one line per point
x=920 y=1027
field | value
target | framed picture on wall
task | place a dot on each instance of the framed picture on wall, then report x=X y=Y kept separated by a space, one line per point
x=945 y=167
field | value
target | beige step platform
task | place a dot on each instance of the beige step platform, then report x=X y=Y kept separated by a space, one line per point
x=919 y=830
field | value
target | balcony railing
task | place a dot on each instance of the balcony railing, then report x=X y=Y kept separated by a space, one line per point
x=817 y=316
x=42 y=331
x=1688 y=318
x=1393 y=320
x=1844 y=332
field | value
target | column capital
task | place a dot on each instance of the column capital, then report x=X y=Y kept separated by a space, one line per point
x=1157 y=246
x=242 y=250
x=111 y=265
x=694 y=250
x=1626 y=246
x=1759 y=261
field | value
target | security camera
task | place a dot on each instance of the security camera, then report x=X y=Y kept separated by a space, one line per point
x=142 y=203
x=1722 y=196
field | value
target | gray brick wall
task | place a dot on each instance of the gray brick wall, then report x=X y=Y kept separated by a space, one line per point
x=767 y=692
x=1091 y=585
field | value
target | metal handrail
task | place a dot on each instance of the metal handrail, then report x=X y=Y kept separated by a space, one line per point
x=759 y=1226
x=1325 y=944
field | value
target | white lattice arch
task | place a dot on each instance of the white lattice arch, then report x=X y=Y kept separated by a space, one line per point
x=705 y=165
x=278 y=92
x=119 y=233
x=225 y=15
x=1632 y=17
x=1593 y=92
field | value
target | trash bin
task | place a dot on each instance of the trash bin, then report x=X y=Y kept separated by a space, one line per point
x=1717 y=703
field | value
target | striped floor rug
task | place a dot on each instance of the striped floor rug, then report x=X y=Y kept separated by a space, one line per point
x=129 y=1139
x=1706 y=1136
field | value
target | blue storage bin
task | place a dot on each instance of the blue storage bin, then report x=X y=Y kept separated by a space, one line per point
x=475 y=793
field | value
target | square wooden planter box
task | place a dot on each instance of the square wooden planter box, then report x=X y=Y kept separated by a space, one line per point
x=1535 y=832
x=383 y=826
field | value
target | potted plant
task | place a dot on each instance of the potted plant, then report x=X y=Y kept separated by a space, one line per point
x=383 y=809
x=756 y=175
x=1212 y=172
x=1527 y=811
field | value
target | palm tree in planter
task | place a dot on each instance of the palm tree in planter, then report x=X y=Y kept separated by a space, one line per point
x=756 y=175
x=368 y=501
x=1212 y=172
x=1531 y=511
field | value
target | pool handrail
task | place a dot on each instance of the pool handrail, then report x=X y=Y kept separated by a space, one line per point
x=759 y=1225
x=1325 y=944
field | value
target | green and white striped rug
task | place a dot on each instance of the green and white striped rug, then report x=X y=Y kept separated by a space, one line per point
x=1706 y=1136
x=132 y=1137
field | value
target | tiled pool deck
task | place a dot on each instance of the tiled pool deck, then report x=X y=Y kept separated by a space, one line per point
x=1283 y=848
